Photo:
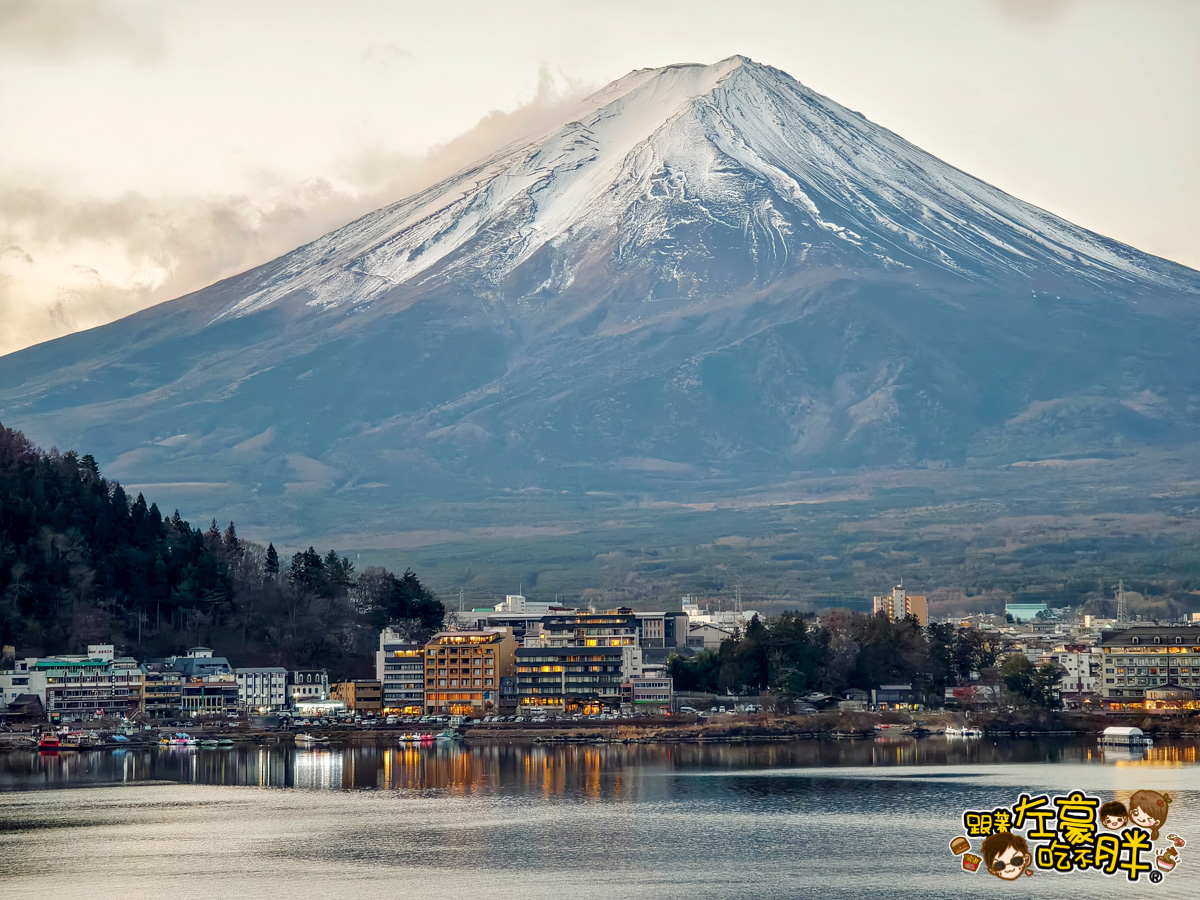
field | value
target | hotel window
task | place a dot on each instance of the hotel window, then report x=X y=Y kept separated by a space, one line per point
x=441 y=682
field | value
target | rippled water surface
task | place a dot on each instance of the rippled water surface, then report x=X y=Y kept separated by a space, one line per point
x=810 y=819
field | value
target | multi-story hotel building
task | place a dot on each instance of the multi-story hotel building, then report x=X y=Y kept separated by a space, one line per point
x=162 y=692
x=209 y=695
x=579 y=661
x=263 y=689
x=900 y=603
x=81 y=688
x=587 y=629
x=463 y=670
x=400 y=671
x=1151 y=667
x=570 y=679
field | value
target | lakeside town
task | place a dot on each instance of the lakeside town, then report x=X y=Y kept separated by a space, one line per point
x=522 y=664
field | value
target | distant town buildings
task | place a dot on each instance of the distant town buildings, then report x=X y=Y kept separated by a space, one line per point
x=1026 y=612
x=900 y=603
x=526 y=657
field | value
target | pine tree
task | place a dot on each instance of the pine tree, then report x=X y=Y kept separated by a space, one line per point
x=272 y=560
x=233 y=547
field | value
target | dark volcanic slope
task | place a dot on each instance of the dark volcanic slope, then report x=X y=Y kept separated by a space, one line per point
x=709 y=275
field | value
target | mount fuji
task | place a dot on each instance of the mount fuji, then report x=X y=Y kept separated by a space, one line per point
x=706 y=277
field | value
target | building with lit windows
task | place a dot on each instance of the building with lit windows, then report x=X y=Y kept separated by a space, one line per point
x=307 y=686
x=209 y=695
x=899 y=604
x=1151 y=667
x=578 y=662
x=618 y=628
x=363 y=696
x=648 y=694
x=263 y=689
x=463 y=670
x=400 y=671
x=162 y=691
x=79 y=688
x=1081 y=667
x=570 y=679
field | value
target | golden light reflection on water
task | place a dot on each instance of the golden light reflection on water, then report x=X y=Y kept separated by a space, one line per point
x=591 y=771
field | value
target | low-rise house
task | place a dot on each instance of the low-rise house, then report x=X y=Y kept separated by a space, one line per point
x=648 y=694
x=706 y=636
x=894 y=696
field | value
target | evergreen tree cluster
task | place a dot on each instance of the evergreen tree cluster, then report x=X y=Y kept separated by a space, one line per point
x=80 y=563
x=794 y=655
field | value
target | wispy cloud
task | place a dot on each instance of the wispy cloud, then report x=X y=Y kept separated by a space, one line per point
x=64 y=31
x=1034 y=13
x=385 y=53
x=68 y=263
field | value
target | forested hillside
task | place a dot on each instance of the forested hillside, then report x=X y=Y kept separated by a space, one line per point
x=81 y=562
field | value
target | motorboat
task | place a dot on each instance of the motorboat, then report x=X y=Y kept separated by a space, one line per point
x=307 y=740
x=954 y=731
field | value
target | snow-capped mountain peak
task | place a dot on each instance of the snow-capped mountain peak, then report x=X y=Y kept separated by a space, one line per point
x=734 y=159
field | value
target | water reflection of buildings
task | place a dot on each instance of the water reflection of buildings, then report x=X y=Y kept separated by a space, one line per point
x=317 y=769
x=592 y=772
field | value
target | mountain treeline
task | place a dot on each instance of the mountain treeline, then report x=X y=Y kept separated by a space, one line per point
x=795 y=655
x=82 y=562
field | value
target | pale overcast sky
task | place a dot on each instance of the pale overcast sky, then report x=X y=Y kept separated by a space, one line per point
x=150 y=147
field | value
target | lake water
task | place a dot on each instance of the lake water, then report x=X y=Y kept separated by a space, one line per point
x=807 y=819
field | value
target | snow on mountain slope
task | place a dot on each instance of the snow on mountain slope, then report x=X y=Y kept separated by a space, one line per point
x=735 y=149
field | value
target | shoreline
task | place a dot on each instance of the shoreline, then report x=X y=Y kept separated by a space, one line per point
x=755 y=728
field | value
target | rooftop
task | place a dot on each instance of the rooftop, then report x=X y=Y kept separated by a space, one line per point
x=1145 y=634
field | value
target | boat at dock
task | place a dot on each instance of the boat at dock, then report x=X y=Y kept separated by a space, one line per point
x=1120 y=736
x=954 y=731
x=307 y=740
